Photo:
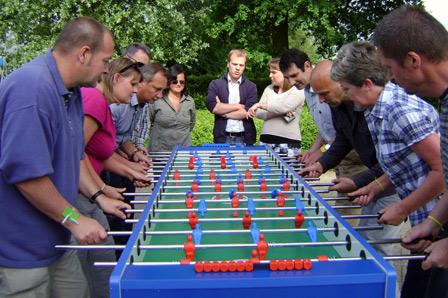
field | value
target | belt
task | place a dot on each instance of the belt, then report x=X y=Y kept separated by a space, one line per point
x=235 y=134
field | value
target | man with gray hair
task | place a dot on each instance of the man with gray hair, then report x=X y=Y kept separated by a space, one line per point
x=352 y=133
x=404 y=129
x=137 y=52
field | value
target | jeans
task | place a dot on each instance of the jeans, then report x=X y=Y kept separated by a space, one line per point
x=97 y=277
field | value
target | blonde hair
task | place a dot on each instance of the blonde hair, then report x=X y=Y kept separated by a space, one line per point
x=274 y=64
x=117 y=66
x=238 y=53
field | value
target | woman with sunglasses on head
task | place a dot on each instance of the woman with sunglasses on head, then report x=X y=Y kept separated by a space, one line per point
x=172 y=118
x=280 y=107
x=116 y=86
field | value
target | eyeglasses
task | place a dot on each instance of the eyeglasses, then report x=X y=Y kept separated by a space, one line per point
x=135 y=65
x=178 y=82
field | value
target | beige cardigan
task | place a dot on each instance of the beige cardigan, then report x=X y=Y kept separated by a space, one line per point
x=280 y=104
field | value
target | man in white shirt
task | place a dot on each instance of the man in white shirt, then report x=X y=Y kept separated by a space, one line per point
x=229 y=98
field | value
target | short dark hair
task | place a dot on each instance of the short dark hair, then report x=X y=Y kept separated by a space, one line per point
x=82 y=31
x=175 y=70
x=134 y=48
x=293 y=56
x=411 y=28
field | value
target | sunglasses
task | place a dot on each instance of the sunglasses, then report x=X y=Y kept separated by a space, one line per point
x=178 y=82
x=135 y=65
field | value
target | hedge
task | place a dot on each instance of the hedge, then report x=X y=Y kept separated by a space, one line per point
x=199 y=84
x=203 y=130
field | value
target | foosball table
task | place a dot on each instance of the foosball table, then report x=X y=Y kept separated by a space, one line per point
x=238 y=221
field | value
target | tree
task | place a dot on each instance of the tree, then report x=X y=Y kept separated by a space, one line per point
x=262 y=27
x=169 y=28
x=197 y=33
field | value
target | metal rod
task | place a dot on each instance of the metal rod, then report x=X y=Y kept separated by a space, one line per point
x=210 y=246
x=172 y=181
x=199 y=246
x=226 y=199
x=404 y=257
x=202 y=186
x=210 y=193
x=182 y=210
x=213 y=232
x=153 y=220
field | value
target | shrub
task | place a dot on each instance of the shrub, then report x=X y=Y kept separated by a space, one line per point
x=198 y=85
x=203 y=130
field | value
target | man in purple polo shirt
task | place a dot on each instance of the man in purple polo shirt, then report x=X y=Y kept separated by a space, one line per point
x=229 y=98
x=41 y=145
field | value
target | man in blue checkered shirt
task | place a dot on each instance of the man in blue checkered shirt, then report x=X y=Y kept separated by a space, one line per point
x=404 y=129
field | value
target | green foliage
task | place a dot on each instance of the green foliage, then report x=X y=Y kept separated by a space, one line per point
x=308 y=129
x=198 y=85
x=197 y=33
x=199 y=101
x=172 y=29
x=203 y=130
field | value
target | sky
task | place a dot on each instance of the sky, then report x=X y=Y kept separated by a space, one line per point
x=439 y=9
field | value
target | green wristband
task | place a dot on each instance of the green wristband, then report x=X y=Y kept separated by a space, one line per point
x=70 y=214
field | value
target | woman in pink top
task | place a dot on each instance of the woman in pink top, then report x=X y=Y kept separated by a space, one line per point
x=116 y=86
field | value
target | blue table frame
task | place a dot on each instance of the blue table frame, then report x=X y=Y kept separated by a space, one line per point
x=371 y=276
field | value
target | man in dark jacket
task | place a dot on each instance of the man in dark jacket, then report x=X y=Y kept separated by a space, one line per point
x=229 y=98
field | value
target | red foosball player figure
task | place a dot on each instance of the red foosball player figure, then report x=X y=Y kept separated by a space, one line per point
x=189 y=248
x=263 y=187
x=235 y=202
x=176 y=175
x=218 y=188
x=192 y=220
x=195 y=187
x=248 y=174
x=262 y=247
x=254 y=257
x=189 y=202
x=223 y=165
x=280 y=201
x=286 y=187
x=240 y=188
x=212 y=174
x=299 y=219
x=247 y=220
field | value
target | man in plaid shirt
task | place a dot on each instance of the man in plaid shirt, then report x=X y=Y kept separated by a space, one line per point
x=414 y=47
x=404 y=129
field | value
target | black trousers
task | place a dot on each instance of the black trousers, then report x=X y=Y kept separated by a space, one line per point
x=432 y=283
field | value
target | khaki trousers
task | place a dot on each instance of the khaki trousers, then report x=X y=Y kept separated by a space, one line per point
x=63 y=278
